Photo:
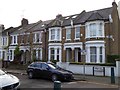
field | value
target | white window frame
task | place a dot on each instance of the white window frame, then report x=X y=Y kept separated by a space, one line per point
x=68 y=29
x=57 y=34
x=11 y=55
x=38 y=53
x=55 y=47
x=39 y=37
x=93 y=54
x=14 y=40
x=4 y=41
x=77 y=38
x=98 y=45
x=99 y=31
x=0 y=54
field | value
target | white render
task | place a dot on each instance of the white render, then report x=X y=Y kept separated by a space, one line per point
x=79 y=69
x=119 y=8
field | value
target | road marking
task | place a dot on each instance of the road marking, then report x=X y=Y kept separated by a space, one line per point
x=71 y=82
x=98 y=83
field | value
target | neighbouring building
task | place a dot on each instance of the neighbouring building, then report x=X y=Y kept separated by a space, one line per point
x=88 y=36
x=119 y=8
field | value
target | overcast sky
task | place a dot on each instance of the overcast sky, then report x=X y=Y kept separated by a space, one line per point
x=12 y=11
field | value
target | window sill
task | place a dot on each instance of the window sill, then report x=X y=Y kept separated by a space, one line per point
x=13 y=44
x=77 y=39
x=37 y=42
x=95 y=37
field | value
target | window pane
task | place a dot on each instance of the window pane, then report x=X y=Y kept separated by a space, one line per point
x=100 y=29
x=52 y=34
x=37 y=37
x=52 y=54
x=58 y=34
x=92 y=28
x=68 y=33
x=101 y=55
x=77 y=32
x=58 y=54
x=93 y=54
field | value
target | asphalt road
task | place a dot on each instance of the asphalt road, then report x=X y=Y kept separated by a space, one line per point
x=41 y=83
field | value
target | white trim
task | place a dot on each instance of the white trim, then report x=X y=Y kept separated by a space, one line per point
x=14 y=37
x=54 y=44
x=55 y=54
x=73 y=45
x=77 y=25
x=76 y=33
x=87 y=30
x=66 y=27
x=56 y=31
x=96 y=44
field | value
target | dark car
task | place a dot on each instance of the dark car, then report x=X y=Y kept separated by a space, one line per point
x=48 y=71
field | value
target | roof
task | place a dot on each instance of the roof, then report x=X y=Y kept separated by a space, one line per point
x=40 y=25
x=83 y=17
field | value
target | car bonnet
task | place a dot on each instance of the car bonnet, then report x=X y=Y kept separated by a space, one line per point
x=8 y=79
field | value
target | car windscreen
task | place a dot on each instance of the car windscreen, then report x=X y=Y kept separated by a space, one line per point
x=2 y=72
x=51 y=66
x=54 y=66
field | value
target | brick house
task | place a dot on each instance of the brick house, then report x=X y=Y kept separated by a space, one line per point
x=28 y=37
x=89 y=36
x=30 y=40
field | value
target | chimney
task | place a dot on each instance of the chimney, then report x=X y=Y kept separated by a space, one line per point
x=59 y=17
x=24 y=22
x=2 y=27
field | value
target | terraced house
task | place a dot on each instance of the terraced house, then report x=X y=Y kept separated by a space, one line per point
x=87 y=36
x=29 y=38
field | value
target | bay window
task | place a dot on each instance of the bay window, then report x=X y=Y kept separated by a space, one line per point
x=95 y=51
x=55 y=34
x=94 y=29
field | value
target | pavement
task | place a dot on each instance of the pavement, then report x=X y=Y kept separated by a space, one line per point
x=77 y=77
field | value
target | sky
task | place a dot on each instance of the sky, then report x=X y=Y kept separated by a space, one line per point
x=12 y=11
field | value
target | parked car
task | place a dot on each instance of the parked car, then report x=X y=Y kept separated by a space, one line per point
x=8 y=81
x=48 y=71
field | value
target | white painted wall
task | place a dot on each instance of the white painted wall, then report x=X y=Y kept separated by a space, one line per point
x=79 y=69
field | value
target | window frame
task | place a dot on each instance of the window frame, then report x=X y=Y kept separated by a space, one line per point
x=76 y=32
x=57 y=34
x=68 y=32
x=99 y=31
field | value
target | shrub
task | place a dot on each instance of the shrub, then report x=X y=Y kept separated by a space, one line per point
x=112 y=58
x=99 y=64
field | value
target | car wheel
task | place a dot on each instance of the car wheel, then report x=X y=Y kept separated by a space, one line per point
x=30 y=75
x=54 y=77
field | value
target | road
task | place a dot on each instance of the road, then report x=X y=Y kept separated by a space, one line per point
x=41 y=83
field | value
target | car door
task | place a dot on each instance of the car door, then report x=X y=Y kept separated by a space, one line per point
x=46 y=72
x=37 y=69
